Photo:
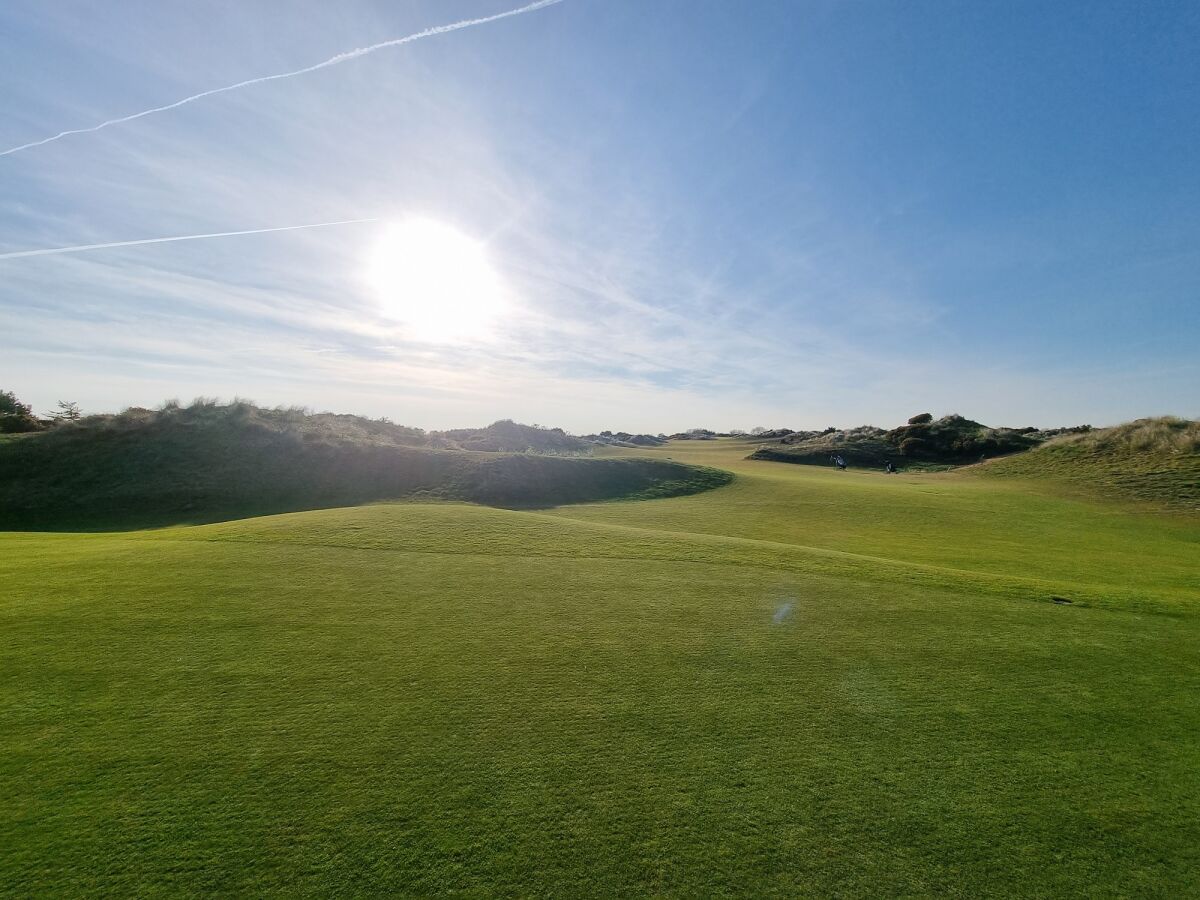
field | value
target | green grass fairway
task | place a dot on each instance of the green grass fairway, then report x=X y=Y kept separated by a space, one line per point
x=807 y=682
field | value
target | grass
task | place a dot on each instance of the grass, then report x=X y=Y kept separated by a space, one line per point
x=210 y=462
x=933 y=445
x=807 y=682
x=1156 y=460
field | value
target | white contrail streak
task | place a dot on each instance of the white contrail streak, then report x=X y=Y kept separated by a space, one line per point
x=332 y=61
x=80 y=248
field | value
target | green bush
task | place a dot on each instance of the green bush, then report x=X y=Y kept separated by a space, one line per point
x=16 y=417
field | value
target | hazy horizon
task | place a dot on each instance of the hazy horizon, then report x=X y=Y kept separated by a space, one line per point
x=622 y=216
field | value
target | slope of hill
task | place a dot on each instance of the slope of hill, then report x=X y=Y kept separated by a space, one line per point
x=950 y=440
x=863 y=446
x=625 y=439
x=809 y=683
x=1155 y=459
x=507 y=436
x=210 y=462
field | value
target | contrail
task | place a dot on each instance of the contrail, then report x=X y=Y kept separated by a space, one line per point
x=50 y=251
x=332 y=61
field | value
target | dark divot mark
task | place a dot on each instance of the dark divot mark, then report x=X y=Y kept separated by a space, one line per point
x=1061 y=600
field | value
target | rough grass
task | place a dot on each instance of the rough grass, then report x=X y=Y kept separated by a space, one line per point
x=858 y=449
x=805 y=683
x=210 y=462
x=1156 y=460
x=922 y=446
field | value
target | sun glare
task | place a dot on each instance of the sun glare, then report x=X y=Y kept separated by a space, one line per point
x=436 y=281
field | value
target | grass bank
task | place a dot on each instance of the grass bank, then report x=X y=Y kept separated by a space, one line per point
x=1156 y=460
x=806 y=682
x=211 y=462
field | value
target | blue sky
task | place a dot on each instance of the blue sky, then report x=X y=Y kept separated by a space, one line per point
x=705 y=213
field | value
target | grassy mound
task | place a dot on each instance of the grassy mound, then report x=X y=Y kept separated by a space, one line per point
x=507 y=436
x=864 y=446
x=921 y=444
x=1155 y=459
x=210 y=462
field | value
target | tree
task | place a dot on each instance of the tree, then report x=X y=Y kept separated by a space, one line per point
x=16 y=417
x=68 y=411
x=759 y=429
x=921 y=419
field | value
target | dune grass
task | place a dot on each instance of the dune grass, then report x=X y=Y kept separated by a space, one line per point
x=927 y=445
x=804 y=683
x=211 y=462
x=1155 y=460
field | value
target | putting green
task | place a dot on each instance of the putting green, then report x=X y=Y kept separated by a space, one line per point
x=807 y=682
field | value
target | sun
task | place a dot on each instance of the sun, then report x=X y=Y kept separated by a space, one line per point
x=436 y=281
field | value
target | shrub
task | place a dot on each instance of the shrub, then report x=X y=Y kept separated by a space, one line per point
x=16 y=417
x=914 y=447
x=921 y=419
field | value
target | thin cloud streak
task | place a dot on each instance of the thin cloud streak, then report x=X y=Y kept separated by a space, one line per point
x=81 y=248
x=332 y=61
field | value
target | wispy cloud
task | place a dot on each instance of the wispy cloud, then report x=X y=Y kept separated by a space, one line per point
x=332 y=61
x=80 y=248
x=646 y=295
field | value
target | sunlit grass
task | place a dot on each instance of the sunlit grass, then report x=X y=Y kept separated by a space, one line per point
x=1155 y=460
x=807 y=682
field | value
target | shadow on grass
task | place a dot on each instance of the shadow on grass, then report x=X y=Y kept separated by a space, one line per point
x=84 y=481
